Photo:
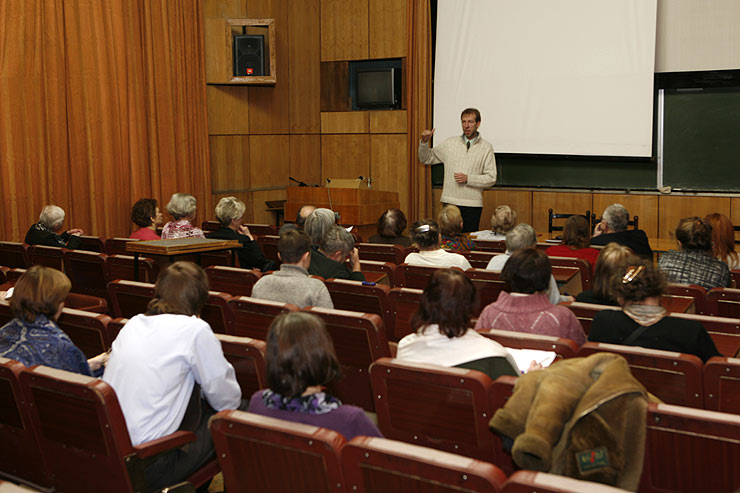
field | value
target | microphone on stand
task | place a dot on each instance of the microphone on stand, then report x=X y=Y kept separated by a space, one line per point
x=299 y=182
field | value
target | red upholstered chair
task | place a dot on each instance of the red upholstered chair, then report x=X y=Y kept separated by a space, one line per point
x=373 y=464
x=584 y=268
x=675 y=378
x=262 y=229
x=218 y=313
x=395 y=254
x=232 y=280
x=443 y=408
x=488 y=285
x=564 y=348
x=46 y=256
x=495 y=246
x=92 y=243
x=13 y=254
x=542 y=482
x=725 y=332
x=21 y=459
x=416 y=276
x=723 y=302
x=268 y=245
x=88 y=331
x=247 y=356
x=359 y=339
x=404 y=303
x=697 y=292
x=87 y=271
x=83 y=434
x=690 y=450
x=722 y=385
x=585 y=312
x=252 y=317
x=478 y=259
x=258 y=453
x=117 y=246
x=86 y=303
x=356 y=297
x=15 y=273
x=208 y=226
x=386 y=268
x=115 y=326
x=129 y=298
x=223 y=257
x=122 y=267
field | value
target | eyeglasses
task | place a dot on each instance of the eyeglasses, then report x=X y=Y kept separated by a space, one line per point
x=632 y=273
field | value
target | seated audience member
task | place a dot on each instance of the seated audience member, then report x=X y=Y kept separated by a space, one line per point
x=337 y=247
x=642 y=321
x=450 y=227
x=318 y=223
x=441 y=330
x=576 y=241
x=169 y=372
x=229 y=213
x=613 y=228
x=610 y=261
x=425 y=235
x=148 y=217
x=46 y=231
x=292 y=284
x=723 y=240
x=520 y=237
x=694 y=262
x=300 y=363
x=182 y=209
x=503 y=220
x=391 y=225
x=33 y=337
x=527 y=308
x=300 y=219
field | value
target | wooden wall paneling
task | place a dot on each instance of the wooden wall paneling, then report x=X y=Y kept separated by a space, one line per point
x=643 y=206
x=269 y=107
x=335 y=86
x=269 y=161
x=305 y=159
x=388 y=122
x=304 y=66
x=387 y=28
x=344 y=30
x=735 y=214
x=345 y=156
x=436 y=204
x=675 y=207
x=262 y=216
x=229 y=163
x=228 y=109
x=559 y=202
x=224 y=8
x=389 y=166
x=520 y=201
x=345 y=122
x=217 y=50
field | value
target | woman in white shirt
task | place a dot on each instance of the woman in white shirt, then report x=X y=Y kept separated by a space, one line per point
x=425 y=235
x=442 y=330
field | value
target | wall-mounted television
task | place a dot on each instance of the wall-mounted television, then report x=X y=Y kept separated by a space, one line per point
x=375 y=84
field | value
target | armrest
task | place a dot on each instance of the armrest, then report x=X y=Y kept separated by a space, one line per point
x=393 y=346
x=164 y=444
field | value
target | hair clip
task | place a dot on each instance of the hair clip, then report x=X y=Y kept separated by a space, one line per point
x=423 y=228
x=632 y=273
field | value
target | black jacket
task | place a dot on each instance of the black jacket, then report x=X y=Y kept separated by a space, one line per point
x=636 y=239
x=323 y=266
x=250 y=255
x=39 y=234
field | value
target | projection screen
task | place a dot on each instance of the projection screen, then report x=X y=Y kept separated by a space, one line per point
x=570 y=77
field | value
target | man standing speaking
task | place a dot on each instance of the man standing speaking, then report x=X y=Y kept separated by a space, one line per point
x=470 y=166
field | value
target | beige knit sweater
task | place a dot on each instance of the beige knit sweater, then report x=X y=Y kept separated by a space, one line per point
x=478 y=162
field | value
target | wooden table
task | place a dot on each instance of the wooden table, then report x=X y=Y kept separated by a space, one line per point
x=179 y=246
x=662 y=245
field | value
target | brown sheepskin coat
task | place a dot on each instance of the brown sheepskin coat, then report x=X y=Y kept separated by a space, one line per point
x=581 y=417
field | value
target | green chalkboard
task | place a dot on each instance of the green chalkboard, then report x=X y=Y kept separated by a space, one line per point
x=702 y=139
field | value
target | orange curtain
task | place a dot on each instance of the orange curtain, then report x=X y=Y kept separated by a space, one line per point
x=419 y=90
x=103 y=103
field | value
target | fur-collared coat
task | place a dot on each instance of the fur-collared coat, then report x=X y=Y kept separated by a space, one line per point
x=581 y=417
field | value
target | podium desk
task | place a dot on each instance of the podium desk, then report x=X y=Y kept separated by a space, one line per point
x=169 y=249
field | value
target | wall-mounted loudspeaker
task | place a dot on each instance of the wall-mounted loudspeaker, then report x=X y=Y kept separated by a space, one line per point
x=249 y=55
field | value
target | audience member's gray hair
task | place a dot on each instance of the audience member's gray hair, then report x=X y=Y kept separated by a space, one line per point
x=228 y=209
x=617 y=217
x=52 y=216
x=302 y=214
x=318 y=223
x=522 y=236
x=337 y=239
x=181 y=205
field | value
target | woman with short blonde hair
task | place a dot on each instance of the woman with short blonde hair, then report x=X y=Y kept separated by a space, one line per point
x=230 y=212
x=451 y=225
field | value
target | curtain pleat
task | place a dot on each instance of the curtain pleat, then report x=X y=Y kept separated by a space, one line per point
x=102 y=103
